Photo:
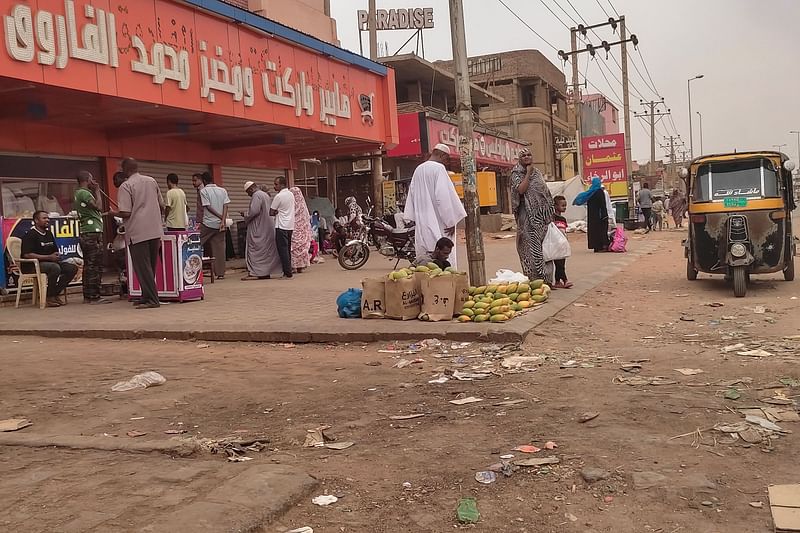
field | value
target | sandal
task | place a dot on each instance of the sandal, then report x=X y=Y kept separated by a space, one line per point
x=566 y=284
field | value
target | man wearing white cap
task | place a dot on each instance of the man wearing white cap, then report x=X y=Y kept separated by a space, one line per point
x=261 y=254
x=433 y=204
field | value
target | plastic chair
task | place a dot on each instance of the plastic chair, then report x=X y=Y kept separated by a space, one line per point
x=38 y=280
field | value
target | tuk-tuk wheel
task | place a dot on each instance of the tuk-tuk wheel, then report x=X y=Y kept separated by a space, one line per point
x=691 y=272
x=739 y=281
x=788 y=272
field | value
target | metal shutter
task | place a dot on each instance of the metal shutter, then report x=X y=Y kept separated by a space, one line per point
x=159 y=170
x=233 y=179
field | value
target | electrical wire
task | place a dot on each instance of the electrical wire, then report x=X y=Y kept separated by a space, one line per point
x=527 y=25
x=604 y=9
x=614 y=9
x=566 y=13
x=554 y=14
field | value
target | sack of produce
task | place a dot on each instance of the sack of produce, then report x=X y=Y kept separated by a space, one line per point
x=373 y=298
x=438 y=297
x=402 y=296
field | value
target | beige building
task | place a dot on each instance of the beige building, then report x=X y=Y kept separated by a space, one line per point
x=309 y=16
x=534 y=106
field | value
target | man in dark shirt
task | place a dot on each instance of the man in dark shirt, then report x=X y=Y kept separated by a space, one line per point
x=439 y=256
x=40 y=243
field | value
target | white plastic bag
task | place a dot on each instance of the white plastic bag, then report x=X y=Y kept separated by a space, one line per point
x=140 y=381
x=504 y=276
x=555 y=244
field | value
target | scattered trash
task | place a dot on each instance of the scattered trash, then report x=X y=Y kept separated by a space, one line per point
x=373 y=363
x=406 y=484
x=140 y=381
x=580 y=305
x=202 y=346
x=441 y=379
x=642 y=380
x=764 y=423
x=689 y=371
x=707 y=503
x=527 y=448
x=509 y=403
x=519 y=362
x=239 y=458
x=755 y=353
x=550 y=445
x=467 y=511
x=507 y=456
x=715 y=304
x=134 y=433
x=759 y=309
x=316 y=438
x=784 y=502
x=339 y=445
x=469 y=376
x=592 y=475
x=687 y=319
x=464 y=401
x=402 y=363
x=324 y=500
x=136 y=418
x=175 y=431
x=732 y=394
x=14 y=424
x=571 y=517
x=485 y=477
x=585 y=417
x=631 y=367
x=732 y=348
x=538 y=461
x=757 y=505
x=304 y=529
x=407 y=417
x=654 y=292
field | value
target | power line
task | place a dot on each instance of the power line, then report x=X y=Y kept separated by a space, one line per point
x=527 y=25
x=604 y=9
x=639 y=51
x=554 y=14
x=565 y=12
x=613 y=8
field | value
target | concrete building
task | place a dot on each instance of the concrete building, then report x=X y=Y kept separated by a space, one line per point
x=309 y=16
x=534 y=106
x=599 y=104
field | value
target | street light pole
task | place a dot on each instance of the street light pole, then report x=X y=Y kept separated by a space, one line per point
x=797 y=133
x=699 y=114
x=689 y=91
x=778 y=147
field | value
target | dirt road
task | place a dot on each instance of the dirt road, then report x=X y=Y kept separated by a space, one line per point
x=597 y=356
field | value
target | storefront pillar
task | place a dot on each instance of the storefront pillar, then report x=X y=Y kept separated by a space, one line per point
x=330 y=170
x=377 y=184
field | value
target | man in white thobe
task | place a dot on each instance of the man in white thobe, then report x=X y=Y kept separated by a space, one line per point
x=433 y=204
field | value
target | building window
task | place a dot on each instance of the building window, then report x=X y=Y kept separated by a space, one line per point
x=528 y=96
x=483 y=65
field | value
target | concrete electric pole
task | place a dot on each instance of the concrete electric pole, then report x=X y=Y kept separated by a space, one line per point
x=605 y=45
x=372 y=26
x=576 y=99
x=475 y=254
x=654 y=117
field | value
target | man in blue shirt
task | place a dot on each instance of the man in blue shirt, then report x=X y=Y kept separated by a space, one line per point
x=215 y=202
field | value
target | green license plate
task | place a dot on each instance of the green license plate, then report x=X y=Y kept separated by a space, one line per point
x=735 y=202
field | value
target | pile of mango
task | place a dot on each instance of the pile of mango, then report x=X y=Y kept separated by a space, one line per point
x=432 y=269
x=499 y=303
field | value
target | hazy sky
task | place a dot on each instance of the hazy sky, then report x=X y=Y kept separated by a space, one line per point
x=748 y=50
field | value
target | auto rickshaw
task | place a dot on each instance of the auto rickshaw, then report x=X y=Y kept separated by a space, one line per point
x=740 y=216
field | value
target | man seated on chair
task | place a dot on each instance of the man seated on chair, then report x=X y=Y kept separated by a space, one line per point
x=40 y=243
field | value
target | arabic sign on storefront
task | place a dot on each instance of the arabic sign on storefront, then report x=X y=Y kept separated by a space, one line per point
x=604 y=156
x=167 y=53
x=489 y=150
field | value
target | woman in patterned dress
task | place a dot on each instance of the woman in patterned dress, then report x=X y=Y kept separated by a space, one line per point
x=532 y=204
x=301 y=236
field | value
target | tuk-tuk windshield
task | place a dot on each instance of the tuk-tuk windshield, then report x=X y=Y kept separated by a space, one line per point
x=751 y=178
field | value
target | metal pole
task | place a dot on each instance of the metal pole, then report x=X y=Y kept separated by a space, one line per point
x=652 y=138
x=627 y=111
x=699 y=114
x=475 y=254
x=372 y=25
x=797 y=133
x=576 y=100
x=691 y=136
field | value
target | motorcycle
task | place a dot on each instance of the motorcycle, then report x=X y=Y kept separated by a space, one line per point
x=390 y=242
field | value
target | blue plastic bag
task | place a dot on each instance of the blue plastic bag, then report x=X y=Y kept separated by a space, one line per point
x=349 y=304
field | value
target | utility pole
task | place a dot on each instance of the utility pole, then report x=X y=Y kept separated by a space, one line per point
x=576 y=100
x=655 y=117
x=626 y=104
x=372 y=26
x=605 y=45
x=475 y=254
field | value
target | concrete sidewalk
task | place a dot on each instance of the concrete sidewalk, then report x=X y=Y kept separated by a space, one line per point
x=304 y=309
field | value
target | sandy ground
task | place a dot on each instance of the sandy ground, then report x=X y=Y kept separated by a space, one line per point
x=408 y=475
